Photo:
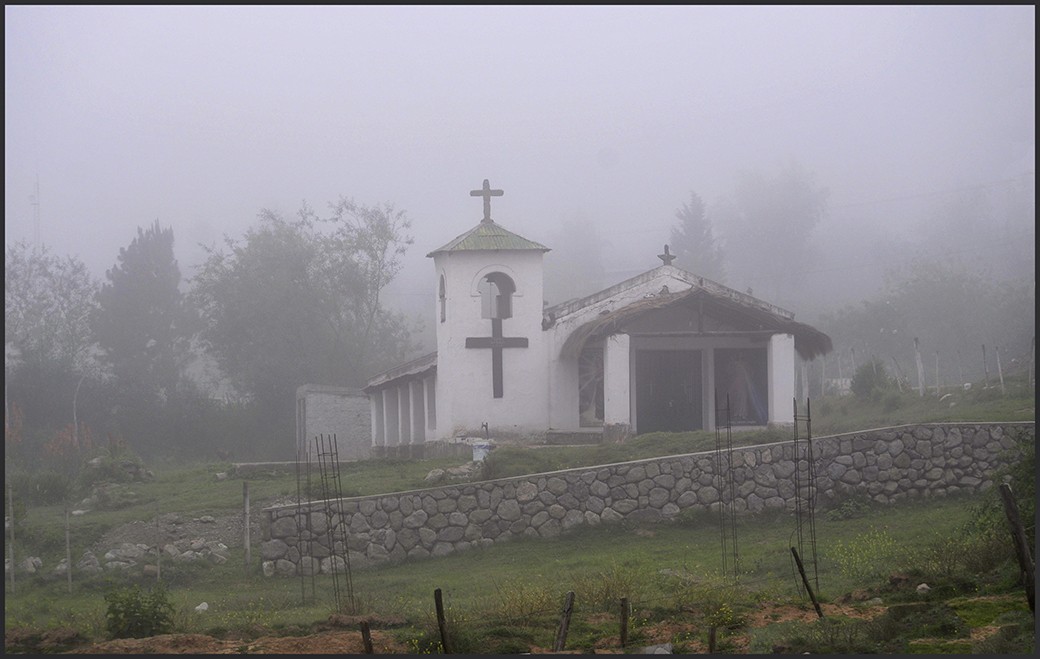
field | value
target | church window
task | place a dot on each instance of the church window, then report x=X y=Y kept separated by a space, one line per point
x=496 y=296
x=443 y=298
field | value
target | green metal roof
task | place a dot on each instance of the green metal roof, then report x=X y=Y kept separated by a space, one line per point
x=489 y=236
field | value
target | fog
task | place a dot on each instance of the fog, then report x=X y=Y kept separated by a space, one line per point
x=200 y=117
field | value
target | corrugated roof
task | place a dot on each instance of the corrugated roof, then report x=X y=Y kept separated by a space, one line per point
x=416 y=366
x=489 y=235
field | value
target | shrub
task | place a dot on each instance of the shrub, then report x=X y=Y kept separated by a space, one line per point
x=857 y=504
x=892 y=402
x=520 y=601
x=867 y=556
x=871 y=380
x=603 y=590
x=41 y=488
x=134 y=614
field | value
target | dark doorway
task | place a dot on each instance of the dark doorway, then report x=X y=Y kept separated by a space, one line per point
x=668 y=391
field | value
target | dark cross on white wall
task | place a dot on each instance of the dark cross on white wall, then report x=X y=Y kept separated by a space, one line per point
x=496 y=342
x=487 y=193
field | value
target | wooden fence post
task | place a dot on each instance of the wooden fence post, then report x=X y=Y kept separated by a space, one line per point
x=565 y=622
x=1000 y=371
x=68 y=547
x=920 y=368
x=442 y=626
x=938 y=386
x=805 y=580
x=1018 y=536
x=158 y=546
x=624 y=622
x=245 y=533
x=10 y=504
x=985 y=367
x=366 y=637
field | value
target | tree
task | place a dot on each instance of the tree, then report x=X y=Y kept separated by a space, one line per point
x=951 y=309
x=48 y=302
x=143 y=327
x=297 y=301
x=50 y=352
x=768 y=223
x=693 y=241
x=141 y=321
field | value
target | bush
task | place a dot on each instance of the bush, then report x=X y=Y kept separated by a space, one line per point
x=133 y=614
x=867 y=556
x=41 y=488
x=871 y=380
x=855 y=505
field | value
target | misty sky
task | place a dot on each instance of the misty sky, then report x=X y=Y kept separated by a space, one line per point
x=199 y=116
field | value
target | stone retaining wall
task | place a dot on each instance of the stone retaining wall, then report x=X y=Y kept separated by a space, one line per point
x=887 y=464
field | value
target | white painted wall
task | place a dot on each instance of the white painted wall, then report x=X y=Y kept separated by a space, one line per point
x=339 y=411
x=781 y=373
x=617 y=380
x=464 y=394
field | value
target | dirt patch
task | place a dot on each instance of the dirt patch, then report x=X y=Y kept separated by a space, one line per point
x=330 y=642
x=342 y=635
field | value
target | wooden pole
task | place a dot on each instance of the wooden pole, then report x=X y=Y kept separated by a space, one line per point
x=565 y=622
x=985 y=367
x=823 y=375
x=805 y=580
x=245 y=532
x=852 y=351
x=805 y=379
x=366 y=637
x=68 y=548
x=10 y=504
x=158 y=545
x=711 y=639
x=938 y=386
x=920 y=368
x=1018 y=536
x=1033 y=352
x=1000 y=371
x=442 y=625
x=624 y=622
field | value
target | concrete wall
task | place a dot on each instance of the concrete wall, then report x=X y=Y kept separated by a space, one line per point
x=342 y=411
x=888 y=464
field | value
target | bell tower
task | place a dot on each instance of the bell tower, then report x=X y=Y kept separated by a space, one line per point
x=492 y=364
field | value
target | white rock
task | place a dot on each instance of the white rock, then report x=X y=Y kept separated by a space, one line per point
x=202 y=607
x=922 y=589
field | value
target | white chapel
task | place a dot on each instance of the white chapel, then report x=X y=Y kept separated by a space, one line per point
x=665 y=350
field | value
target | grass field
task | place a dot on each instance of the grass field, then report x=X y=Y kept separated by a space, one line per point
x=507 y=598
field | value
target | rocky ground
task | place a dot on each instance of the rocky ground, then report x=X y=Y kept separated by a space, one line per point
x=227 y=529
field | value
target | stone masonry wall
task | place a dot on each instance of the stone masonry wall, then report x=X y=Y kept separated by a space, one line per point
x=887 y=464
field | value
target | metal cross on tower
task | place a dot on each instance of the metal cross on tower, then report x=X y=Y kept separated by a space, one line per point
x=487 y=193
